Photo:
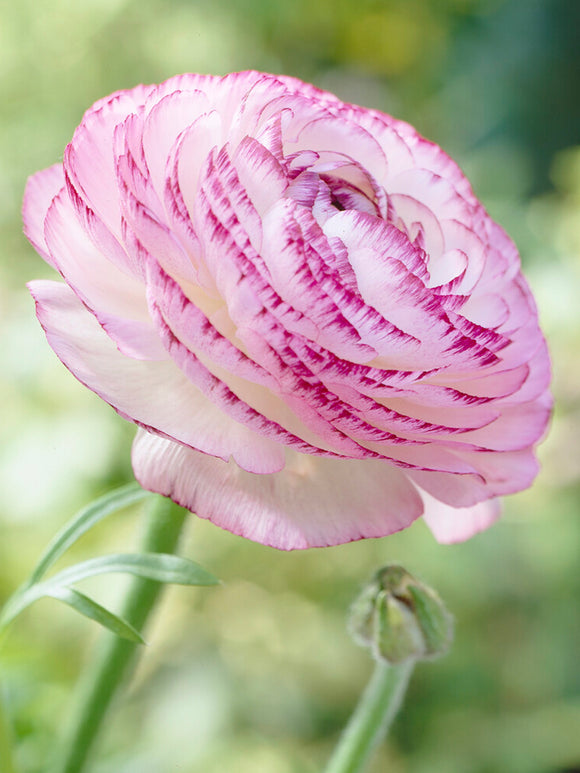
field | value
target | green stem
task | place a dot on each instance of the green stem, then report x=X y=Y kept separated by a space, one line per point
x=7 y=764
x=372 y=718
x=104 y=677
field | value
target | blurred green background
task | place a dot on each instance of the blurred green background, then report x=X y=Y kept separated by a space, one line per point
x=259 y=675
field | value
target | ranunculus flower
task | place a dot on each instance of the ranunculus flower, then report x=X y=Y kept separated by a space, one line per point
x=317 y=326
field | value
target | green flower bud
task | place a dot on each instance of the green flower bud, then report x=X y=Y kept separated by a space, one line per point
x=400 y=619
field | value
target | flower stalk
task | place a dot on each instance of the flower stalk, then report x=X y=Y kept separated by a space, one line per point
x=372 y=718
x=101 y=682
x=7 y=763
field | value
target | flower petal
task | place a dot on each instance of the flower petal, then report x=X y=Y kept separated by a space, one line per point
x=41 y=189
x=312 y=502
x=457 y=524
x=153 y=394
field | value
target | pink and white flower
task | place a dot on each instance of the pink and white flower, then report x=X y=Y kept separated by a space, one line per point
x=319 y=330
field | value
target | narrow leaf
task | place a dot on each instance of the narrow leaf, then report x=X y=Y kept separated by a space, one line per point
x=84 y=520
x=89 y=608
x=161 y=567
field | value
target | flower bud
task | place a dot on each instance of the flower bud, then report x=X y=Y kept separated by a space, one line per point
x=400 y=619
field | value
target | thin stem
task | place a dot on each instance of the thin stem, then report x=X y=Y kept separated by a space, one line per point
x=105 y=676
x=7 y=764
x=372 y=718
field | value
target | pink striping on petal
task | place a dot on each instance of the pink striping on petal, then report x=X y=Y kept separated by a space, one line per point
x=386 y=284
x=103 y=238
x=128 y=141
x=332 y=435
x=116 y=300
x=301 y=300
x=455 y=490
x=360 y=231
x=89 y=160
x=230 y=203
x=236 y=270
x=195 y=331
x=522 y=347
x=138 y=389
x=493 y=384
x=306 y=393
x=538 y=379
x=483 y=336
x=490 y=310
x=421 y=405
x=326 y=404
x=144 y=234
x=259 y=174
x=131 y=167
x=221 y=395
x=417 y=220
x=328 y=134
x=439 y=195
x=307 y=189
x=84 y=265
x=286 y=254
x=505 y=472
x=269 y=134
x=244 y=101
x=299 y=162
x=517 y=428
x=458 y=236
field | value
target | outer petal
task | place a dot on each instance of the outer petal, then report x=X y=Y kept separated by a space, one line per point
x=41 y=189
x=115 y=298
x=312 y=502
x=89 y=160
x=153 y=394
x=456 y=524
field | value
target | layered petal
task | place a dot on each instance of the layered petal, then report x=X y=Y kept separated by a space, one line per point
x=317 y=326
x=155 y=395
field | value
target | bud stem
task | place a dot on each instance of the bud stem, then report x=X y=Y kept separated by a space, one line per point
x=103 y=678
x=372 y=717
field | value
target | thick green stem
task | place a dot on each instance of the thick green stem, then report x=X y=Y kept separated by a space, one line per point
x=109 y=671
x=372 y=718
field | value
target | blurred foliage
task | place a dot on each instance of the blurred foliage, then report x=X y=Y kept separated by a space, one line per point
x=258 y=676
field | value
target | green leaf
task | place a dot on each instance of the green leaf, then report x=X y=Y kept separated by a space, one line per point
x=83 y=521
x=161 y=567
x=89 y=608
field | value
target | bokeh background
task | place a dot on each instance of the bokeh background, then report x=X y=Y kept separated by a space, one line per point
x=259 y=675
